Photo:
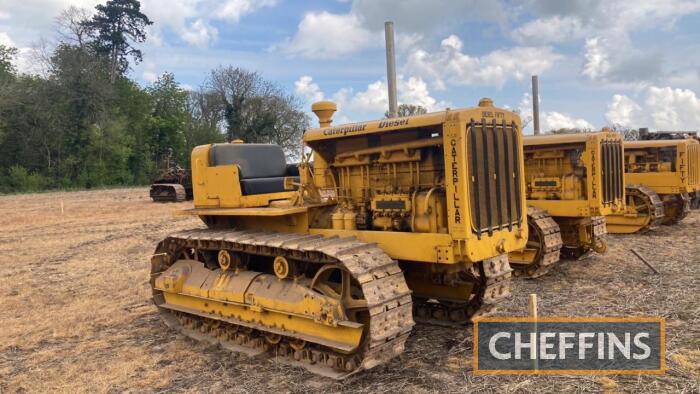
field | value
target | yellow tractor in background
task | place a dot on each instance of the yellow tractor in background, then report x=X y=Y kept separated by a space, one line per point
x=572 y=182
x=326 y=264
x=661 y=175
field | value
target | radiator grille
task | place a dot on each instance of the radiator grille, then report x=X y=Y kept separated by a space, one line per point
x=694 y=164
x=495 y=176
x=612 y=172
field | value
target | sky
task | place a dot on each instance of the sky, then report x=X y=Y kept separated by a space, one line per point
x=601 y=63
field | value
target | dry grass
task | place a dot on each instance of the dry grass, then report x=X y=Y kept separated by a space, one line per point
x=76 y=316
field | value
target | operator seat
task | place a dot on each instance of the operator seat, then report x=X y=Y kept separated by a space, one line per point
x=262 y=167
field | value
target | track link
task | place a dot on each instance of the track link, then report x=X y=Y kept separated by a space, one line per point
x=492 y=280
x=545 y=237
x=389 y=304
x=655 y=207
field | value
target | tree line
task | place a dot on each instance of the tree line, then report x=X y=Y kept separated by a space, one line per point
x=84 y=123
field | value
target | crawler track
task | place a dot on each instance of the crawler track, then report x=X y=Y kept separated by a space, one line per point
x=168 y=192
x=545 y=239
x=646 y=204
x=676 y=207
x=387 y=317
x=491 y=279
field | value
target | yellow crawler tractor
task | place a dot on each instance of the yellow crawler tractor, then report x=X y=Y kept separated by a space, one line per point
x=660 y=177
x=325 y=265
x=572 y=182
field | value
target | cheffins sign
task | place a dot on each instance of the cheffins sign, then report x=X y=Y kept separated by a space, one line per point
x=565 y=345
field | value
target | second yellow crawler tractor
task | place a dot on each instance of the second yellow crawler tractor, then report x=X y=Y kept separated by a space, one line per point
x=572 y=182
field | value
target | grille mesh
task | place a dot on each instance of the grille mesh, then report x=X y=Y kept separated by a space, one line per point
x=613 y=170
x=494 y=173
x=694 y=164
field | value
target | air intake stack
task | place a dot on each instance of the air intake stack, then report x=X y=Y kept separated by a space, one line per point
x=324 y=110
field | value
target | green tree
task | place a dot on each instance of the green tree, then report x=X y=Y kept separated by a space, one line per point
x=203 y=121
x=82 y=99
x=168 y=117
x=116 y=25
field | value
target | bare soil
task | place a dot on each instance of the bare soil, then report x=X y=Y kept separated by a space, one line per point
x=76 y=315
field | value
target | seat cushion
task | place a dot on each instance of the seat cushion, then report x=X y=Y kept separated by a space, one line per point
x=263 y=185
x=254 y=160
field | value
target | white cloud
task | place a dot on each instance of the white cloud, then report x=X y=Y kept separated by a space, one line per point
x=615 y=15
x=555 y=120
x=596 y=62
x=150 y=73
x=199 y=33
x=6 y=40
x=322 y=34
x=449 y=65
x=549 y=120
x=26 y=59
x=28 y=20
x=553 y=29
x=233 y=10
x=663 y=108
x=415 y=91
x=610 y=54
x=308 y=89
x=372 y=101
x=149 y=76
x=327 y=35
x=622 y=110
x=190 y=20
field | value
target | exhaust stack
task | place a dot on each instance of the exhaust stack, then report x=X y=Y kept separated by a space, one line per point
x=391 y=68
x=536 y=104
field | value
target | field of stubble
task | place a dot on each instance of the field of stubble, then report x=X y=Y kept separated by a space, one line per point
x=76 y=315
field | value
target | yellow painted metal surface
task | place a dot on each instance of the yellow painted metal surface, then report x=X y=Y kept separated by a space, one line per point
x=666 y=166
x=565 y=174
x=409 y=184
x=257 y=300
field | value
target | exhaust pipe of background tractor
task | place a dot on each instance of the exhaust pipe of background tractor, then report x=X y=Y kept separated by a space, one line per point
x=536 y=104
x=391 y=68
